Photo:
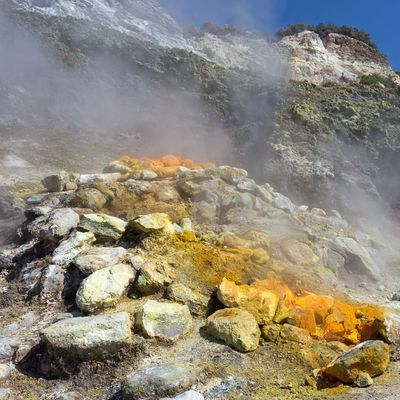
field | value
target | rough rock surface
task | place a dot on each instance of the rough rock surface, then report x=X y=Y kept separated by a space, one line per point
x=371 y=357
x=87 y=338
x=157 y=380
x=103 y=226
x=238 y=328
x=105 y=287
x=261 y=303
x=97 y=258
x=68 y=249
x=167 y=321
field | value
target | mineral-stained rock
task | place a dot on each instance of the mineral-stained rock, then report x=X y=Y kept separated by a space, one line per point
x=196 y=302
x=157 y=380
x=105 y=287
x=55 y=183
x=363 y=380
x=282 y=202
x=151 y=223
x=164 y=320
x=97 y=258
x=237 y=328
x=370 y=357
x=89 y=198
x=260 y=302
x=270 y=333
x=54 y=225
x=71 y=247
x=153 y=278
x=294 y=334
x=103 y=226
x=87 y=338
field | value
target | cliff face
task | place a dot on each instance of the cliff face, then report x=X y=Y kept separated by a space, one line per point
x=130 y=79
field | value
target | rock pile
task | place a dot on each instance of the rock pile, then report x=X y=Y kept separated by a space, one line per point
x=185 y=261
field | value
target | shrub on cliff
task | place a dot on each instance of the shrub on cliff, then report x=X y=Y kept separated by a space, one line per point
x=325 y=29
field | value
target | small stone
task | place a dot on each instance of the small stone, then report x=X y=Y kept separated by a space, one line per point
x=396 y=297
x=270 y=333
x=103 y=226
x=371 y=357
x=164 y=320
x=68 y=249
x=363 y=380
x=319 y=212
x=71 y=186
x=69 y=396
x=299 y=253
x=282 y=202
x=153 y=278
x=105 y=287
x=237 y=328
x=89 y=198
x=5 y=371
x=97 y=258
x=189 y=395
x=157 y=380
x=55 y=183
x=295 y=334
x=151 y=223
x=5 y=394
x=87 y=338
x=148 y=175
x=196 y=302
x=136 y=261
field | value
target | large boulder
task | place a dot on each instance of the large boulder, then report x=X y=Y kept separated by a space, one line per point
x=97 y=258
x=89 y=338
x=103 y=226
x=68 y=249
x=53 y=226
x=157 y=380
x=105 y=287
x=370 y=357
x=237 y=328
x=260 y=302
x=167 y=321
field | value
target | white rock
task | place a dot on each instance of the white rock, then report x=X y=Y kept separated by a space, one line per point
x=71 y=247
x=105 y=287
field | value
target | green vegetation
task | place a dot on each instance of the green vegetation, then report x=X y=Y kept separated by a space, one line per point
x=373 y=79
x=325 y=29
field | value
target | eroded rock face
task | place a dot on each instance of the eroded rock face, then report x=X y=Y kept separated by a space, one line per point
x=370 y=357
x=260 y=302
x=157 y=380
x=105 y=287
x=237 y=328
x=89 y=338
x=167 y=321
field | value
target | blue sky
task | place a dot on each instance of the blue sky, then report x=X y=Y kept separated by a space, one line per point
x=381 y=19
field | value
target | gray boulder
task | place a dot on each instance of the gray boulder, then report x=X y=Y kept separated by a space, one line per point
x=53 y=225
x=51 y=284
x=156 y=381
x=97 y=258
x=89 y=338
x=196 y=302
